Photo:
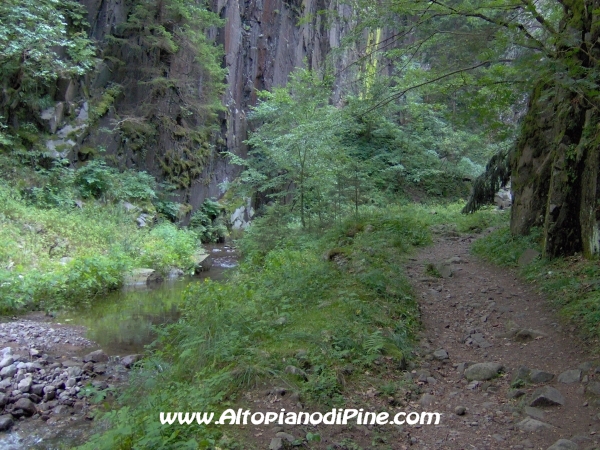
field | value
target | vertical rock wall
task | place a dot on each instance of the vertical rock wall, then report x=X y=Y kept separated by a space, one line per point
x=264 y=41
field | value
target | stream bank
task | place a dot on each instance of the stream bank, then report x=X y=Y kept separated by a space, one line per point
x=55 y=371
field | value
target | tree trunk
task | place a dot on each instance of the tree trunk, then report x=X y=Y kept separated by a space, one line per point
x=556 y=164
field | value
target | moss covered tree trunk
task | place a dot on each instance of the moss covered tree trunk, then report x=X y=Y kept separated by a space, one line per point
x=555 y=167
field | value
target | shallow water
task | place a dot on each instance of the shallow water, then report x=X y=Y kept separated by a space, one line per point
x=124 y=321
x=121 y=323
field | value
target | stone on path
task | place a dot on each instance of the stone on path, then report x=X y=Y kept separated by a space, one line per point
x=547 y=396
x=276 y=444
x=445 y=270
x=539 y=376
x=570 y=376
x=536 y=413
x=440 y=354
x=460 y=410
x=563 y=444
x=532 y=425
x=427 y=400
x=593 y=388
x=483 y=371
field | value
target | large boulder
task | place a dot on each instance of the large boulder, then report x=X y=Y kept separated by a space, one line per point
x=202 y=262
x=96 y=357
x=142 y=277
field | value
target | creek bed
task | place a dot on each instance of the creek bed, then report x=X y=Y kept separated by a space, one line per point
x=122 y=323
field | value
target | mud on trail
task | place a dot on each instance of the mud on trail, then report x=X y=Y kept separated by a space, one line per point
x=484 y=314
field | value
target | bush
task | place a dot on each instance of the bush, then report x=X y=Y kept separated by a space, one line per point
x=207 y=222
x=167 y=246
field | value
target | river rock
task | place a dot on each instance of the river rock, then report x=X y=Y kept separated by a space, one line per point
x=61 y=409
x=8 y=371
x=570 y=376
x=25 y=384
x=130 y=360
x=74 y=372
x=532 y=425
x=37 y=389
x=5 y=384
x=96 y=357
x=539 y=376
x=6 y=422
x=547 y=396
x=563 y=444
x=139 y=277
x=6 y=361
x=202 y=262
x=99 y=369
x=26 y=405
x=483 y=371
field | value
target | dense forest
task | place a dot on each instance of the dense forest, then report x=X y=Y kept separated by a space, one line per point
x=327 y=141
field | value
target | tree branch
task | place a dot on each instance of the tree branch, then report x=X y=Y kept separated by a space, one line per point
x=425 y=83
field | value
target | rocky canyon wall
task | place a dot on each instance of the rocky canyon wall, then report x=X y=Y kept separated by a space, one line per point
x=263 y=42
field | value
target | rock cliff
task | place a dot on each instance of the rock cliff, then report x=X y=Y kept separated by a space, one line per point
x=138 y=124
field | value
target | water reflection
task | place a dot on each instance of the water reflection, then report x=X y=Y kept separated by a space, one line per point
x=123 y=322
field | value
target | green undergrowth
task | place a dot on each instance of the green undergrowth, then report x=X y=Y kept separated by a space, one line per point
x=571 y=284
x=58 y=255
x=315 y=311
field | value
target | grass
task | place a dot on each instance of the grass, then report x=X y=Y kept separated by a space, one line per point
x=51 y=257
x=571 y=284
x=333 y=304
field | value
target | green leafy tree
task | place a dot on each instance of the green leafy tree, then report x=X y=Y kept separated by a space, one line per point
x=496 y=53
x=296 y=148
x=40 y=41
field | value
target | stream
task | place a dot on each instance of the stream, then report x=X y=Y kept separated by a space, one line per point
x=121 y=323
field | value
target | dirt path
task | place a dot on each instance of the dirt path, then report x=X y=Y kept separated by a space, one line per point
x=474 y=315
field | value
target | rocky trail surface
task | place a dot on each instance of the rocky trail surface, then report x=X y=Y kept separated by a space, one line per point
x=496 y=361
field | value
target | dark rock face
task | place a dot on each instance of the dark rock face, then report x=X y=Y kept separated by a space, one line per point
x=263 y=43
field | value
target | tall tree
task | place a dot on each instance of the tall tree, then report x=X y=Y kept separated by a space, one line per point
x=553 y=43
x=295 y=148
